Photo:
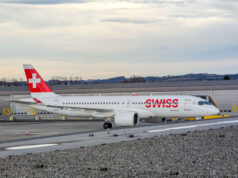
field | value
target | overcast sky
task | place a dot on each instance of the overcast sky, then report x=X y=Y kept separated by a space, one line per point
x=108 y=38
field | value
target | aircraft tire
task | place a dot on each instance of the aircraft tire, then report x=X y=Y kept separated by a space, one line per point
x=106 y=125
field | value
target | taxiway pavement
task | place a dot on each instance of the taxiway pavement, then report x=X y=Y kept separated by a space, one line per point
x=89 y=137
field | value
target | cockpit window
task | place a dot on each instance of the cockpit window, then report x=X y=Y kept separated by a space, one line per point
x=204 y=103
x=201 y=103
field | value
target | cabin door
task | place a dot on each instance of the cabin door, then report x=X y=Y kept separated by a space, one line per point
x=187 y=105
x=56 y=102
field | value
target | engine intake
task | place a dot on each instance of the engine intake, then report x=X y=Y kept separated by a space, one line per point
x=126 y=119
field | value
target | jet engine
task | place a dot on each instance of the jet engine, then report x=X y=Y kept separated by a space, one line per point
x=126 y=119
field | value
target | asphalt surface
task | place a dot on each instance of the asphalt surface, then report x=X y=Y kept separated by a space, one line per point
x=17 y=130
x=60 y=137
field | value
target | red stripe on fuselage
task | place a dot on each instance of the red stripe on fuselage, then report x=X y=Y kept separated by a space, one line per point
x=37 y=101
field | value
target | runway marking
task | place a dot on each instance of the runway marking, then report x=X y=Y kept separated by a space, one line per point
x=29 y=146
x=192 y=126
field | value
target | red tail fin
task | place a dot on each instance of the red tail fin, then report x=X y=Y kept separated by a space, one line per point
x=35 y=82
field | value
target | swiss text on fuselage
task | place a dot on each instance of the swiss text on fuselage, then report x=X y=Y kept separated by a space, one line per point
x=165 y=103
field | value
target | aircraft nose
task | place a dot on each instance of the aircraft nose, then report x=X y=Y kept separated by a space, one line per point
x=213 y=111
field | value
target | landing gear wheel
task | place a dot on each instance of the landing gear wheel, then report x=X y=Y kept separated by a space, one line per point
x=107 y=125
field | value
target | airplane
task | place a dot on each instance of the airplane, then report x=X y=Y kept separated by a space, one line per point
x=123 y=110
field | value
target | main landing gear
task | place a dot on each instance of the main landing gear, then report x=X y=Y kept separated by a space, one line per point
x=107 y=125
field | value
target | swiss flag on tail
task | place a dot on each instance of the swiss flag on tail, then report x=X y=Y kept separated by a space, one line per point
x=35 y=82
x=40 y=91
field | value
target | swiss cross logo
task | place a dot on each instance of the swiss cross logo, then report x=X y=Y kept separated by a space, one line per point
x=34 y=80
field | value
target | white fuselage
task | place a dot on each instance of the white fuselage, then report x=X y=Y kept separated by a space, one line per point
x=145 y=106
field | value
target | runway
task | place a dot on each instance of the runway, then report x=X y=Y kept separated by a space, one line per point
x=62 y=136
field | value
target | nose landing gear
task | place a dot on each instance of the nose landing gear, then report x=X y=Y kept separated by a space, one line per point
x=107 y=125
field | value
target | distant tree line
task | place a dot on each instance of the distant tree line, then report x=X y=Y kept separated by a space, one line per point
x=5 y=82
x=56 y=80
x=135 y=79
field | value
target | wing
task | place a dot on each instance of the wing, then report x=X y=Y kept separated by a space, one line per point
x=32 y=103
x=22 y=102
x=81 y=108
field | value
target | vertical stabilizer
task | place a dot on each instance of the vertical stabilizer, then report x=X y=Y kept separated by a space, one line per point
x=37 y=85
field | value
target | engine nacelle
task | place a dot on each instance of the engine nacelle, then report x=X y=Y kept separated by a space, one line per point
x=126 y=119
